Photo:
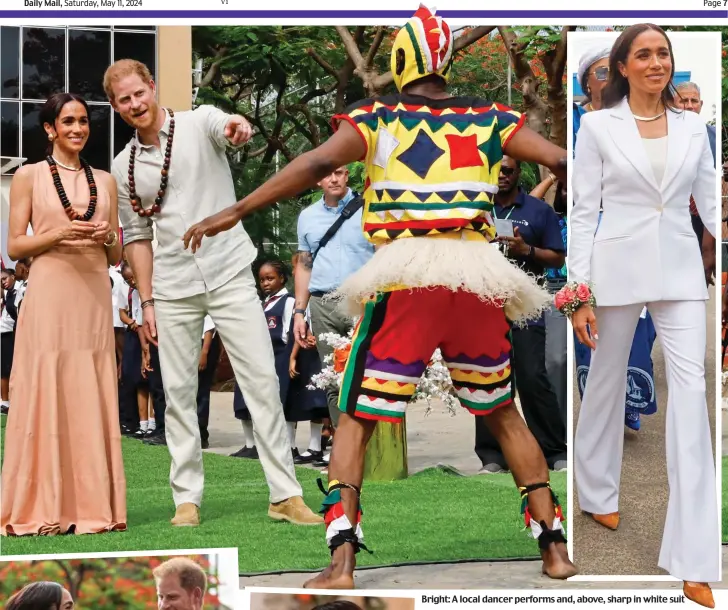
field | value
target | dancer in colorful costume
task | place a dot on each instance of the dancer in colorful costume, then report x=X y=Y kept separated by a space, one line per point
x=436 y=280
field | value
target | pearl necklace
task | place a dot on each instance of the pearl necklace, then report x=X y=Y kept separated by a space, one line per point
x=68 y=167
x=647 y=119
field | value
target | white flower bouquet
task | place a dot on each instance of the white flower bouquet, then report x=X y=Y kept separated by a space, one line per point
x=435 y=383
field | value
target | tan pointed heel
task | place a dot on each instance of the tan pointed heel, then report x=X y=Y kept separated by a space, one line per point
x=610 y=520
x=700 y=593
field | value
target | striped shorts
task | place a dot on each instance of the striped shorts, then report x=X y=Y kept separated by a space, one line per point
x=396 y=337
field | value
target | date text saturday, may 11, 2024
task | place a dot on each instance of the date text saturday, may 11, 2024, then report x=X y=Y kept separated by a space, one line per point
x=117 y=4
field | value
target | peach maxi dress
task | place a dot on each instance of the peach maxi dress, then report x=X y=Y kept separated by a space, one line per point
x=63 y=469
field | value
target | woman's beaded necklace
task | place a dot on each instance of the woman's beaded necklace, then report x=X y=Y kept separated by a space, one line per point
x=70 y=212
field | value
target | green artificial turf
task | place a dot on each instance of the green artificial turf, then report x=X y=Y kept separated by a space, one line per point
x=432 y=516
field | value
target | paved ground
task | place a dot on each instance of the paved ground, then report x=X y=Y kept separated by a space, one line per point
x=477 y=575
x=634 y=547
x=437 y=438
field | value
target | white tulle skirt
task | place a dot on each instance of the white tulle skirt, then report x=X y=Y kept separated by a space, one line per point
x=458 y=264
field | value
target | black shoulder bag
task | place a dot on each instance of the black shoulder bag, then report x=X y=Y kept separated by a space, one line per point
x=349 y=210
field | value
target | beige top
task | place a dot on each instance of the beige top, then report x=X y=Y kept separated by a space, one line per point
x=200 y=185
x=656 y=149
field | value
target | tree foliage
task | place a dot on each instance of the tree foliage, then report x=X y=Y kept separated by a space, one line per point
x=99 y=584
x=288 y=81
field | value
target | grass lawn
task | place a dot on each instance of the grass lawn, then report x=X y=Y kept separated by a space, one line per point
x=432 y=516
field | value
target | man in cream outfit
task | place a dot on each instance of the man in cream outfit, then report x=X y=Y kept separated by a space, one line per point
x=644 y=253
x=216 y=280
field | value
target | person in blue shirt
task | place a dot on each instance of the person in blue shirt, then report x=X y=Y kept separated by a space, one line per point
x=536 y=244
x=321 y=270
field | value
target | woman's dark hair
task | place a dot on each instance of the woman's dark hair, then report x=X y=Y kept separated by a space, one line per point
x=37 y=596
x=617 y=85
x=339 y=604
x=52 y=108
x=280 y=267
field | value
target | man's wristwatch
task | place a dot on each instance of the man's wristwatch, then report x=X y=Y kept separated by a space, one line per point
x=301 y=311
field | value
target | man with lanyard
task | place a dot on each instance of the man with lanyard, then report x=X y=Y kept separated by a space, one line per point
x=529 y=230
x=175 y=171
x=331 y=247
x=435 y=281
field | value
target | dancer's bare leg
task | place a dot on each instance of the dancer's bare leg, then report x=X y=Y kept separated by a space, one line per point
x=528 y=465
x=347 y=466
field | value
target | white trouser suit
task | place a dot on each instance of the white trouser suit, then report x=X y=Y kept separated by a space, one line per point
x=644 y=252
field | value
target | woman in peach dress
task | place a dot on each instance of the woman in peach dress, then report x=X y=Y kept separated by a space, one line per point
x=63 y=469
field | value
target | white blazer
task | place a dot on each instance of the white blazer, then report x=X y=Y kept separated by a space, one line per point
x=644 y=248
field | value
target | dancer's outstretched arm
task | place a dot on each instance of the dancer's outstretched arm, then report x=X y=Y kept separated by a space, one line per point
x=530 y=146
x=344 y=147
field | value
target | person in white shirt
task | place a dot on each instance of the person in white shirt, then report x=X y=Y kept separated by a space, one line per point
x=118 y=300
x=209 y=358
x=175 y=169
x=7 y=334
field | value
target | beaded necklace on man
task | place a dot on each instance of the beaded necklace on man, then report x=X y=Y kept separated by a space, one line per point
x=136 y=201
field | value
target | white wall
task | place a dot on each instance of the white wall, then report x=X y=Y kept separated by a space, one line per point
x=697 y=52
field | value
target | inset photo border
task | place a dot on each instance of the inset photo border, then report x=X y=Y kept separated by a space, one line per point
x=632 y=550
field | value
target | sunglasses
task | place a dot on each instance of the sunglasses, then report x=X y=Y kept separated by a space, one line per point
x=507 y=171
x=601 y=73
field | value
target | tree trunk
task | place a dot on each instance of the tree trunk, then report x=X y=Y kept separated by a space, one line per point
x=386 y=456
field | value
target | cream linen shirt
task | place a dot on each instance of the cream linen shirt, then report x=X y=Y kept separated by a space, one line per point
x=200 y=184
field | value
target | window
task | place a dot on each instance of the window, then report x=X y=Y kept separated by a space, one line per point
x=10 y=62
x=89 y=54
x=9 y=129
x=37 y=62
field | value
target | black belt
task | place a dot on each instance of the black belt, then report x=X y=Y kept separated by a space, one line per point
x=320 y=293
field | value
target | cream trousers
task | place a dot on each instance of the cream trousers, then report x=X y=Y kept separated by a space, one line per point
x=238 y=316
